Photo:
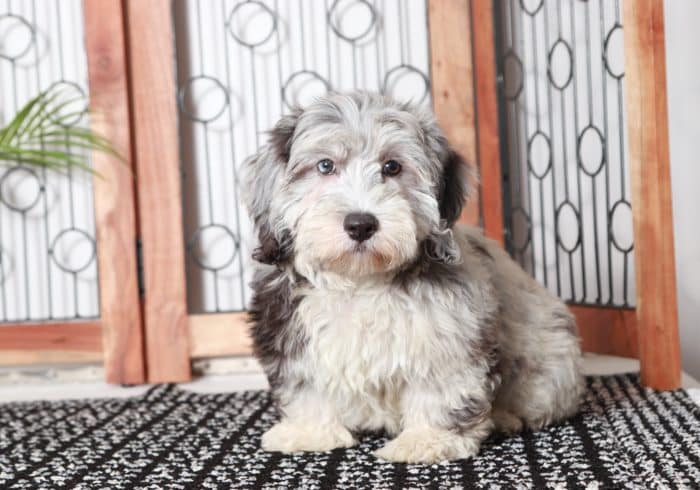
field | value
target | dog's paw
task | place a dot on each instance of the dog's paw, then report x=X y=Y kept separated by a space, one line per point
x=428 y=446
x=506 y=422
x=288 y=437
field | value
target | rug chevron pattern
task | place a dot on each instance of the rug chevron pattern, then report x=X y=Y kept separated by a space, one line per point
x=625 y=437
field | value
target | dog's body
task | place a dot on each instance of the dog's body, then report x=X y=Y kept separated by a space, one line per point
x=378 y=313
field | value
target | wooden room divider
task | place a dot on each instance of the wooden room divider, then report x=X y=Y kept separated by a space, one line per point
x=115 y=337
x=470 y=64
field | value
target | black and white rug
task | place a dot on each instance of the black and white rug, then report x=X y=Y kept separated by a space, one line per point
x=625 y=437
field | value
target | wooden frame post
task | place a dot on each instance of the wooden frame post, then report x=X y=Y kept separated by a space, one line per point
x=120 y=311
x=156 y=153
x=452 y=79
x=487 y=124
x=647 y=130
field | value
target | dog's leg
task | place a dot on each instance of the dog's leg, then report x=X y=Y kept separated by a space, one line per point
x=433 y=431
x=310 y=423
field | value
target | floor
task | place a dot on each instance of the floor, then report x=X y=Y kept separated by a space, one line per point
x=213 y=376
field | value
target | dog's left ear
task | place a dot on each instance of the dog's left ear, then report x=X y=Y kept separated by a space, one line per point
x=262 y=177
x=453 y=191
x=452 y=194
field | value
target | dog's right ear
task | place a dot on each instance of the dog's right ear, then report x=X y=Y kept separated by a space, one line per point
x=262 y=177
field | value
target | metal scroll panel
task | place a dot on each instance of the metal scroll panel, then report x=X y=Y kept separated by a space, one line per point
x=241 y=64
x=48 y=269
x=568 y=215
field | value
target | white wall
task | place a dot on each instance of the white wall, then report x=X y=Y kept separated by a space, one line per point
x=683 y=72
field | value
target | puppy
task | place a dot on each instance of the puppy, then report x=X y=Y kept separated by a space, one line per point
x=375 y=311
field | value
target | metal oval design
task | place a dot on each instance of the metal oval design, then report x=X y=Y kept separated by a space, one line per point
x=401 y=71
x=557 y=77
x=613 y=56
x=537 y=145
x=311 y=77
x=5 y=32
x=195 y=110
x=64 y=236
x=5 y=183
x=590 y=143
x=64 y=89
x=513 y=79
x=196 y=242
x=569 y=245
x=531 y=10
x=265 y=10
x=616 y=221
x=337 y=29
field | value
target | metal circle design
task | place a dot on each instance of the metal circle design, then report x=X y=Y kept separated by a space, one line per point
x=613 y=56
x=255 y=8
x=398 y=72
x=563 y=209
x=537 y=146
x=68 y=238
x=590 y=149
x=559 y=78
x=203 y=99
x=519 y=216
x=75 y=100
x=197 y=242
x=16 y=33
x=531 y=9
x=621 y=215
x=334 y=21
x=512 y=75
x=20 y=189
x=305 y=79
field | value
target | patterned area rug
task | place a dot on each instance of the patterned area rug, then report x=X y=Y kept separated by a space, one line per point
x=625 y=437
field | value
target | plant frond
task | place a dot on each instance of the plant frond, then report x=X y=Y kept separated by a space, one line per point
x=41 y=134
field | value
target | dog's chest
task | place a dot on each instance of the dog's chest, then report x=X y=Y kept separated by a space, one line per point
x=364 y=341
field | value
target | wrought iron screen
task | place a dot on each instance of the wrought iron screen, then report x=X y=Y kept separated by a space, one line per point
x=241 y=64
x=48 y=269
x=567 y=210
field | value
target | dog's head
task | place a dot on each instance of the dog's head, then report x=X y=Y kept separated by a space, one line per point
x=355 y=184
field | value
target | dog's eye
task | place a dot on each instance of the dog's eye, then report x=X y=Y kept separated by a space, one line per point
x=391 y=168
x=326 y=166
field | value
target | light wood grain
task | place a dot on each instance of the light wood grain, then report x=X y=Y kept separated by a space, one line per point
x=120 y=311
x=219 y=334
x=647 y=133
x=452 y=84
x=154 y=123
x=487 y=124
x=42 y=343
x=610 y=331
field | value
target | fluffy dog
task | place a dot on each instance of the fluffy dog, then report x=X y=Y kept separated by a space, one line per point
x=375 y=311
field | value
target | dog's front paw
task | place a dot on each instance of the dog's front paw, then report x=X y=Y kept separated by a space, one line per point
x=288 y=437
x=428 y=446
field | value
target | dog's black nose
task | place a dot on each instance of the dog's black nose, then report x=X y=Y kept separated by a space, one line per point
x=360 y=226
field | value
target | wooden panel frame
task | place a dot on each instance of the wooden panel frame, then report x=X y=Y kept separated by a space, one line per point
x=51 y=342
x=646 y=106
x=115 y=338
x=115 y=215
x=651 y=331
x=449 y=33
x=487 y=118
x=465 y=102
x=157 y=161
x=219 y=334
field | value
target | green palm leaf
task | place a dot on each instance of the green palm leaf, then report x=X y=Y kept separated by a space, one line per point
x=41 y=134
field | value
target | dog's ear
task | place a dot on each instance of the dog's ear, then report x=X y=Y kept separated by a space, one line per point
x=453 y=192
x=262 y=177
